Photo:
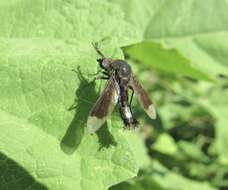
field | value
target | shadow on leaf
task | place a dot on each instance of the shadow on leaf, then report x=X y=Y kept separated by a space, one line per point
x=106 y=139
x=85 y=97
x=13 y=176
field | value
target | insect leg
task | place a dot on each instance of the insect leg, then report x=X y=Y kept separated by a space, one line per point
x=94 y=74
x=98 y=72
x=132 y=94
x=106 y=73
x=102 y=77
x=105 y=76
x=95 y=46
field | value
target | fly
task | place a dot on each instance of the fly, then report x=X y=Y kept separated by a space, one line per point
x=120 y=80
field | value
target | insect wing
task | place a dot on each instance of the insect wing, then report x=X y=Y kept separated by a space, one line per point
x=143 y=98
x=104 y=106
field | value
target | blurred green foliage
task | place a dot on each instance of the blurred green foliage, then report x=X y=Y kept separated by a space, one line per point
x=187 y=142
x=182 y=62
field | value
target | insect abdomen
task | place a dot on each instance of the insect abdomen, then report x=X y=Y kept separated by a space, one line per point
x=125 y=110
x=127 y=117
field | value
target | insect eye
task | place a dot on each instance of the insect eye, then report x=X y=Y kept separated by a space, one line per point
x=99 y=60
x=104 y=63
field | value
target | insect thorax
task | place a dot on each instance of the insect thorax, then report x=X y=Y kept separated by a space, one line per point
x=123 y=70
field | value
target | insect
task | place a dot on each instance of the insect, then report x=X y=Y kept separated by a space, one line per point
x=120 y=80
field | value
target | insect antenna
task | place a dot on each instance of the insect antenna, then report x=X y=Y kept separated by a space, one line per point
x=95 y=46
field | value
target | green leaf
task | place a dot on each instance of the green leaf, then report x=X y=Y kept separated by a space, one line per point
x=162 y=19
x=192 y=151
x=159 y=178
x=141 y=184
x=170 y=61
x=207 y=53
x=91 y=166
x=217 y=105
x=165 y=144
x=44 y=105
x=191 y=17
x=171 y=180
x=73 y=21
x=197 y=30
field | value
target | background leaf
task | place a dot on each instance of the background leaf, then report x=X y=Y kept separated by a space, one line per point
x=180 y=39
x=169 y=61
x=191 y=27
